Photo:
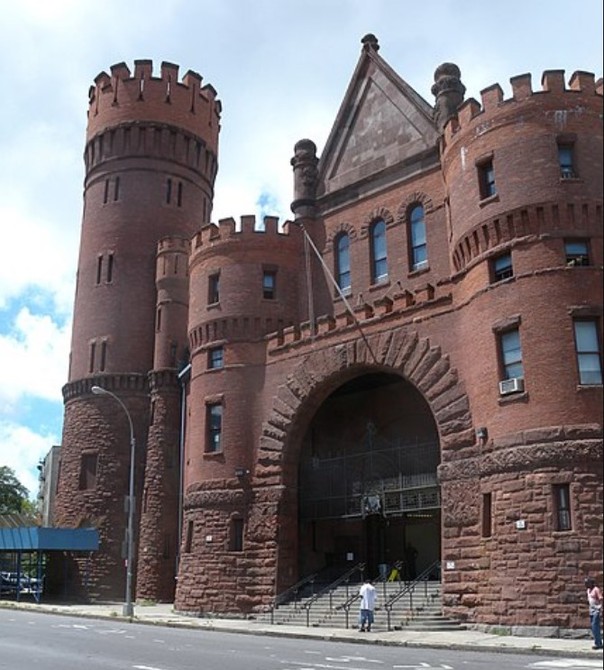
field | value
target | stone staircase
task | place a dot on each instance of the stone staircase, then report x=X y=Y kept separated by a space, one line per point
x=418 y=609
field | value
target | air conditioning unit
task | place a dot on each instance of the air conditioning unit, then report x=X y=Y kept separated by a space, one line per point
x=513 y=385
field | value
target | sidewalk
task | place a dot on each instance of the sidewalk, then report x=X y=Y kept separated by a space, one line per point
x=164 y=615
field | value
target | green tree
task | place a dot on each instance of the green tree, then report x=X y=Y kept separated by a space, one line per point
x=13 y=495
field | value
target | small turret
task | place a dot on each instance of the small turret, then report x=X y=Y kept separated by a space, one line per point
x=448 y=91
x=306 y=174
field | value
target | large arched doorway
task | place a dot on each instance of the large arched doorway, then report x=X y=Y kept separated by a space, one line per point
x=368 y=488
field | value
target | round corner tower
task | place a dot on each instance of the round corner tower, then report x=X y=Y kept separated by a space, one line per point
x=151 y=161
x=524 y=187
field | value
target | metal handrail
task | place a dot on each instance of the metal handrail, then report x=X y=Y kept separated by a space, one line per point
x=295 y=590
x=330 y=588
x=410 y=590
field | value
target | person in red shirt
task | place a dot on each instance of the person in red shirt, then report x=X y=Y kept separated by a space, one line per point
x=594 y=599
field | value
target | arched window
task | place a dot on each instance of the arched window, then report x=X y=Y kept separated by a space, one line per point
x=379 y=258
x=417 y=236
x=343 y=262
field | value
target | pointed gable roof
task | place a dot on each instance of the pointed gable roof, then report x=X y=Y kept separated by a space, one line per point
x=384 y=129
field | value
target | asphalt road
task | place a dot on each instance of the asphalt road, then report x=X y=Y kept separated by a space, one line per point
x=37 y=641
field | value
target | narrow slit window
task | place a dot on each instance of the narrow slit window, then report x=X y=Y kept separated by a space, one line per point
x=236 y=534
x=487 y=515
x=109 y=268
x=168 y=191
x=213 y=289
x=116 y=189
x=88 y=471
x=342 y=254
x=106 y=193
x=179 y=195
x=562 y=507
x=99 y=269
x=103 y=356
x=91 y=356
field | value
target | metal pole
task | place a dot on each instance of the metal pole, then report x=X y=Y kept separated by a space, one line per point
x=128 y=609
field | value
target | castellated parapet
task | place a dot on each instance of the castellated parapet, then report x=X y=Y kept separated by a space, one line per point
x=123 y=97
x=239 y=258
x=518 y=140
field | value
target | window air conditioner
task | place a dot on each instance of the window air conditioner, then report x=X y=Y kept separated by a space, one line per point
x=513 y=385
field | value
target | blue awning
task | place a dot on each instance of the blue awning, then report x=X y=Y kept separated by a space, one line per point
x=49 y=539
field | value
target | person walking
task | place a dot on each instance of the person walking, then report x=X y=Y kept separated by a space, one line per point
x=594 y=599
x=367 y=605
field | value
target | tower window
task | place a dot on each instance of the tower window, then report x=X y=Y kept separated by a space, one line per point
x=577 y=253
x=215 y=358
x=236 y=534
x=213 y=288
x=501 y=268
x=99 y=269
x=109 y=268
x=342 y=255
x=417 y=235
x=486 y=179
x=179 y=195
x=91 y=356
x=566 y=161
x=487 y=515
x=103 y=356
x=269 y=284
x=511 y=354
x=214 y=427
x=379 y=257
x=88 y=471
x=589 y=361
x=106 y=193
x=563 y=519
x=116 y=189
x=168 y=191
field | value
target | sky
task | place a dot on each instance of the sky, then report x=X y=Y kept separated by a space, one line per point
x=281 y=69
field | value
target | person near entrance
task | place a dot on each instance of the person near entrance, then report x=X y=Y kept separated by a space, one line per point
x=367 y=605
x=594 y=600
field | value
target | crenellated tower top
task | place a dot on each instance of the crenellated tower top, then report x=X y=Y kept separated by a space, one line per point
x=475 y=117
x=123 y=97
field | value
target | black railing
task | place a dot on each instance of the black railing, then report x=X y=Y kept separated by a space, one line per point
x=410 y=589
x=330 y=589
x=292 y=594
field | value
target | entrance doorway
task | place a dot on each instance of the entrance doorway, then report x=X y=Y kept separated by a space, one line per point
x=367 y=482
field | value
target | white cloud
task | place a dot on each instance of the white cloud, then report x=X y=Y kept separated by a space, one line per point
x=21 y=450
x=34 y=359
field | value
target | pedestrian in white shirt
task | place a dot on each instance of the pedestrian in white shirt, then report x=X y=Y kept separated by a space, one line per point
x=367 y=606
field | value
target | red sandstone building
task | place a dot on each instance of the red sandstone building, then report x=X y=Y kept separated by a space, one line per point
x=414 y=361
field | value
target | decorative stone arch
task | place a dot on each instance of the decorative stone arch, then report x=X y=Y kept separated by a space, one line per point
x=374 y=215
x=346 y=228
x=417 y=197
x=400 y=350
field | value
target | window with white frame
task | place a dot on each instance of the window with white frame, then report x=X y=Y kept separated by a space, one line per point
x=342 y=255
x=379 y=255
x=417 y=236
x=589 y=359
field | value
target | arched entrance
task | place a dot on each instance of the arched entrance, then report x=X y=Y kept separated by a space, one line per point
x=400 y=352
x=368 y=489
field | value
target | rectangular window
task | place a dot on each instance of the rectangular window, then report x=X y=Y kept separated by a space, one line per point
x=269 y=284
x=168 y=191
x=214 y=427
x=99 y=269
x=501 y=268
x=566 y=161
x=486 y=179
x=589 y=360
x=576 y=252
x=116 y=189
x=215 y=358
x=106 y=192
x=562 y=506
x=109 y=268
x=213 y=289
x=103 y=365
x=487 y=514
x=91 y=357
x=88 y=466
x=189 y=538
x=511 y=354
x=236 y=538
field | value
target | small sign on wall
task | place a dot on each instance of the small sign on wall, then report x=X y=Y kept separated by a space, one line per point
x=209 y=538
x=520 y=524
x=449 y=565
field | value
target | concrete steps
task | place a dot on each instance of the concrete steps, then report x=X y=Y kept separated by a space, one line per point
x=419 y=610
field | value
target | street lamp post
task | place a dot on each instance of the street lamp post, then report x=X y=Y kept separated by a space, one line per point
x=128 y=605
